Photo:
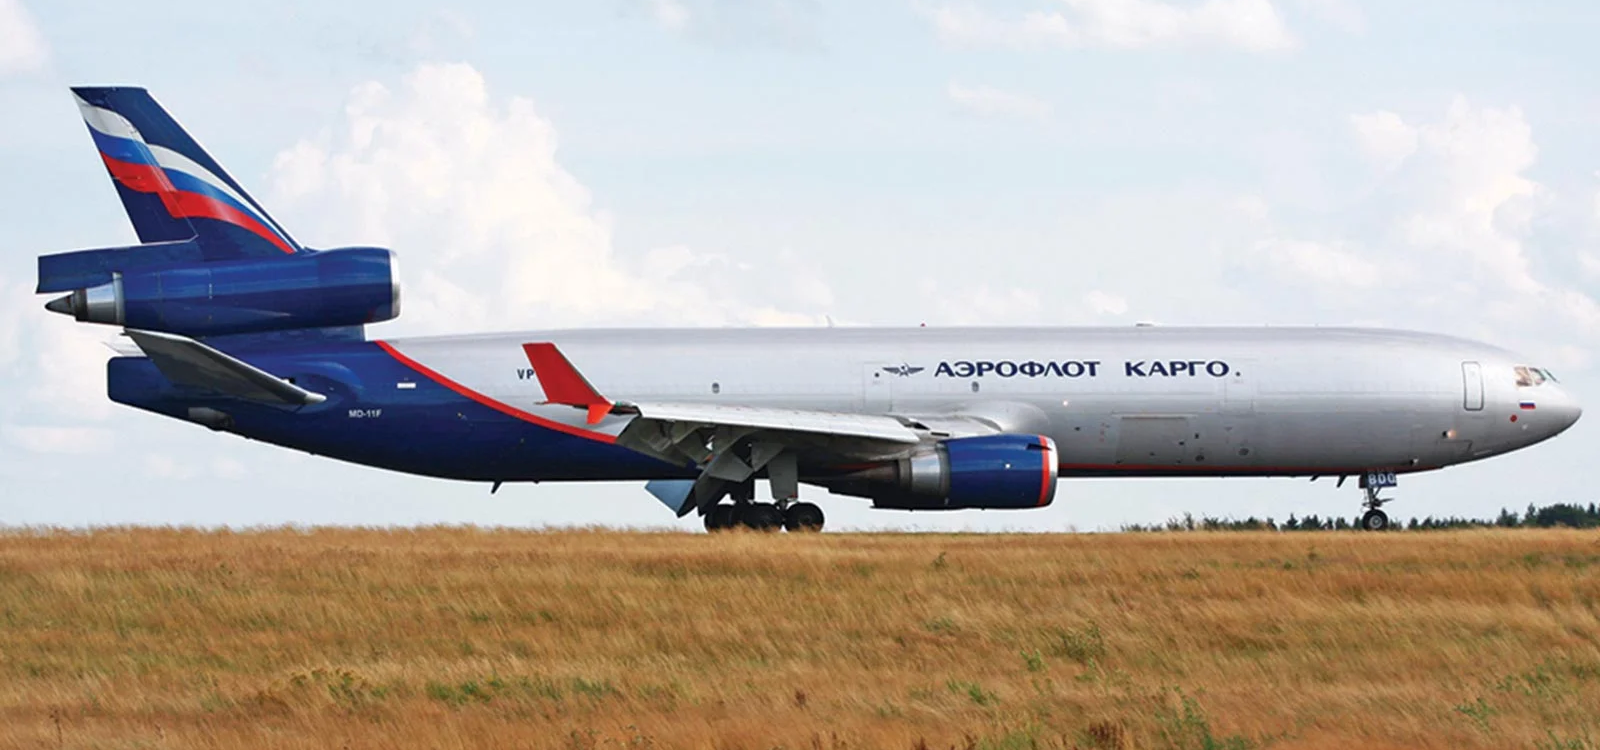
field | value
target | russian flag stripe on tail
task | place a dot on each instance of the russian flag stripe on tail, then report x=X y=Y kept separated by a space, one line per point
x=171 y=188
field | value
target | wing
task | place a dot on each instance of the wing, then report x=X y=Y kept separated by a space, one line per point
x=730 y=444
x=188 y=362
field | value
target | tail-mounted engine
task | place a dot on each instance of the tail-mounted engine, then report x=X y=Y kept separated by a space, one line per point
x=344 y=287
x=994 y=471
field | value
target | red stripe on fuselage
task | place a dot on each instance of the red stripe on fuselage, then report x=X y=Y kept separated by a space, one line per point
x=183 y=204
x=498 y=406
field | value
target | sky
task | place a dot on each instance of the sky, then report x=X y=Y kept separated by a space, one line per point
x=1426 y=165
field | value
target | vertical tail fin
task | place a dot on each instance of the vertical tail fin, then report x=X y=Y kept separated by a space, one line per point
x=171 y=188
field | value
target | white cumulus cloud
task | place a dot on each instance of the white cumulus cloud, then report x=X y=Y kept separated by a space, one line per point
x=986 y=101
x=1451 y=244
x=493 y=232
x=1384 y=138
x=22 y=47
x=1250 y=25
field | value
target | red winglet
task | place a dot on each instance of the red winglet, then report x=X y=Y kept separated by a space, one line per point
x=562 y=383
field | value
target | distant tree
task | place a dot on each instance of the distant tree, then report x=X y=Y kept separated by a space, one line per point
x=1561 y=514
x=1572 y=515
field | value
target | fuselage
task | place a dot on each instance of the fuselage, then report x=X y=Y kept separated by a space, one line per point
x=1142 y=401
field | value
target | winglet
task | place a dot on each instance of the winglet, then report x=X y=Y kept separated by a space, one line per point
x=562 y=383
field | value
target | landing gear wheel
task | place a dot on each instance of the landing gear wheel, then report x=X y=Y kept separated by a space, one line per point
x=761 y=517
x=1375 y=520
x=720 y=517
x=803 y=517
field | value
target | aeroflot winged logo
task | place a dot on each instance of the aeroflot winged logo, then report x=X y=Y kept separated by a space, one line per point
x=903 y=370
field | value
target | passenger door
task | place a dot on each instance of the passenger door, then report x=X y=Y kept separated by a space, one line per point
x=1472 y=386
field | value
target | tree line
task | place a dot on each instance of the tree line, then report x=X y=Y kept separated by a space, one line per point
x=1559 y=515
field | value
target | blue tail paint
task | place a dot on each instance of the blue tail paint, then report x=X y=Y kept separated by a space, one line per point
x=171 y=188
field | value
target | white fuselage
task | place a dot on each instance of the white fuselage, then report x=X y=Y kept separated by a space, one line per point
x=1117 y=401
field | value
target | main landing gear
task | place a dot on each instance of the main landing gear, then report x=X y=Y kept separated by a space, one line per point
x=764 y=516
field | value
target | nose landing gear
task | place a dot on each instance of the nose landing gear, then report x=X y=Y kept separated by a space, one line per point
x=1375 y=519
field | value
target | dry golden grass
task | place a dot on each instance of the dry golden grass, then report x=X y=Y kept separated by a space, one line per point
x=450 y=637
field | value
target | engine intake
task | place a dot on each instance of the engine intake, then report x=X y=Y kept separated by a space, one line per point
x=344 y=287
x=993 y=471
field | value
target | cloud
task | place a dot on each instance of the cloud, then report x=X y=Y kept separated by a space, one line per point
x=992 y=102
x=22 y=47
x=1249 y=25
x=56 y=365
x=1449 y=241
x=1473 y=201
x=1384 y=138
x=493 y=232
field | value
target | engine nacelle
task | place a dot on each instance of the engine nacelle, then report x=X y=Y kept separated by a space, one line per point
x=993 y=471
x=344 y=287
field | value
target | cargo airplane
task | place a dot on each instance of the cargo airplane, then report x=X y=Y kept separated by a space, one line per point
x=240 y=328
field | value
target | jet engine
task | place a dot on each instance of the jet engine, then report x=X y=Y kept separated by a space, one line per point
x=992 y=471
x=343 y=287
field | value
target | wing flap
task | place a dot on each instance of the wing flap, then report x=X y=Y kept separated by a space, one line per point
x=754 y=418
x=186 y=361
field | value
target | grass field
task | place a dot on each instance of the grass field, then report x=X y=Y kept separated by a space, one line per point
x=453 y=638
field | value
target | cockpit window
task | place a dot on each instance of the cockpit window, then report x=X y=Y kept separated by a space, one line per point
x=1529 y=377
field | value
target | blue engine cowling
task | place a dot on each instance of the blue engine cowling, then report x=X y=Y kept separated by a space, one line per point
x=993 y=471
x=343 y=287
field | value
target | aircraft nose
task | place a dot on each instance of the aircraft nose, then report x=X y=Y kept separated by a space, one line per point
x=1566 y=411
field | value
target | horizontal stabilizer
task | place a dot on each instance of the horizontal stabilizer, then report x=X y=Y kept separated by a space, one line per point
x=188 y=362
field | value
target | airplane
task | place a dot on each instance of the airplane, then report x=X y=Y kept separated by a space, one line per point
x=238 y=327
